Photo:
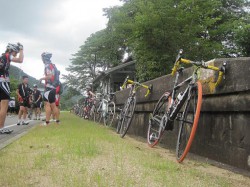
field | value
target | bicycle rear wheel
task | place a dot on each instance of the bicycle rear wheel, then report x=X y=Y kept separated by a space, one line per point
x=189 y=121
x=111 y=114
x=128 y=115
x=155 y=130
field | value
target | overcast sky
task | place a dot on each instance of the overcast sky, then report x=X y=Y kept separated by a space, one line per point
x=56 y=26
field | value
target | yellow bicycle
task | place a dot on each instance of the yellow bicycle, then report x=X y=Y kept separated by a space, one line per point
x=179 y=104
x=127 y=113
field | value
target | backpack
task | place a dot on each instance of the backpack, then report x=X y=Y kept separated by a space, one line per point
x=56 y=81
x=59 y=88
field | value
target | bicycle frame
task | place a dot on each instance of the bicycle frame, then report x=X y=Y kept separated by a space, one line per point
x=175 y=106
x=103 y=107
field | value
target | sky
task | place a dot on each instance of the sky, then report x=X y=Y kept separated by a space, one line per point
x=56 y=26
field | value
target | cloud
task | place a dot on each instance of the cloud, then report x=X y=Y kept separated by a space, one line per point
x=57 y=26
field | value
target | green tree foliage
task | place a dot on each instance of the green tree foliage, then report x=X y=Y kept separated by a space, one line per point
x=152 y=31
x=13 y=87
x=98 y=53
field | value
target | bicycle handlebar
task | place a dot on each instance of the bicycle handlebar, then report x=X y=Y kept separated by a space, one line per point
x=128 y=81
x=221 y=70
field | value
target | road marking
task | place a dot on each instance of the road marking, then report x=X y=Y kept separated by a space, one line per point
x=16 y=124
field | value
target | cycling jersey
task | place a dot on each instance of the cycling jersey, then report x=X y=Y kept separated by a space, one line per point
x=5 y=60
x=49 y=70
x=24 y=91
x=36 y=95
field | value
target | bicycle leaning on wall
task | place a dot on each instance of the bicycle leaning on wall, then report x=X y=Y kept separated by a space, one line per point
x=182 y=104
x=127 y=113
x=105 y=110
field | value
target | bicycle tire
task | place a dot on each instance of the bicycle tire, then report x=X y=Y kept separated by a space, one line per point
x=126 y=122
x=187 y=128
x=120 y=118
x=111 y=114
x=155 y=131
x=98 y=113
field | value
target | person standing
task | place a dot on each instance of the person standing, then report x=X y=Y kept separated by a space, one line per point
x=23 y=92
x=9 y=56
x=37 y=96
x=51 y=83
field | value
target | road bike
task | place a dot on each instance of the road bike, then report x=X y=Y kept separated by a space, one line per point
x=127 y=112
x=105 y=111
x=183 y=104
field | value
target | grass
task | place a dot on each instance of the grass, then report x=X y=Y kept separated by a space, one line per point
x=83 y=153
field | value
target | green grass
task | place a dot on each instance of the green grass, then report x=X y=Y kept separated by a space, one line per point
x=83 y=153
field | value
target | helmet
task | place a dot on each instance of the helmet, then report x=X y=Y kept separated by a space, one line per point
x=12 y=47
x=46 y=56
x=88 y=87
x=35 y=86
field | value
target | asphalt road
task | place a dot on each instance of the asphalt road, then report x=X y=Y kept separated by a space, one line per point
x=19 y=130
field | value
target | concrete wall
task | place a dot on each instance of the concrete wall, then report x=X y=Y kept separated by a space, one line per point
x=224 y=127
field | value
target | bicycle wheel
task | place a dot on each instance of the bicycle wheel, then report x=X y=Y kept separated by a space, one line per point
x=155 y=129
x=128 y=115
x=111 y=114
x=119 y=118
x=189 y=121
x=98 y=113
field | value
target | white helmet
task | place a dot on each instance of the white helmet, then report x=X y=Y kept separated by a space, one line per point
x=12 y=47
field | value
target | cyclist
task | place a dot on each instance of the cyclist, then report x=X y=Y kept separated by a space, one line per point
x=89 y=101
x=9 y=56
x=57 y=102
x=37 y=96
x=23 y=92
x=50 y=88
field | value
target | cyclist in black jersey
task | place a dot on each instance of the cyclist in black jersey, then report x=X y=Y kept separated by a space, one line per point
x=10 y=55
x=23 y=93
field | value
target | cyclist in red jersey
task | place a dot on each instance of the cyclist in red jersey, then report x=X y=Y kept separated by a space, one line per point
x=50 y=88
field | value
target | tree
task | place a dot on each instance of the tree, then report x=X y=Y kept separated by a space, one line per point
x=97 y=54
x=13 y=87
x=153 y=31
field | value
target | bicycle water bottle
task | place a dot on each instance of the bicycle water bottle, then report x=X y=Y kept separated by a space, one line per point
x=179 y=97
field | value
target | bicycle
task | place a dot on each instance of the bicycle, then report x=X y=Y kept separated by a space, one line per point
x=184 y=107
x=127 y=113
x=105 y=111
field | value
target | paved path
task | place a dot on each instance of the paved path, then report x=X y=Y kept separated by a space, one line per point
x=19 y=131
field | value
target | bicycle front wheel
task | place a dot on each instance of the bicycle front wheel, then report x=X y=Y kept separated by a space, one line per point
x=128 y=115
x=189 y=121
x=111 y=114
x=155 y=128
